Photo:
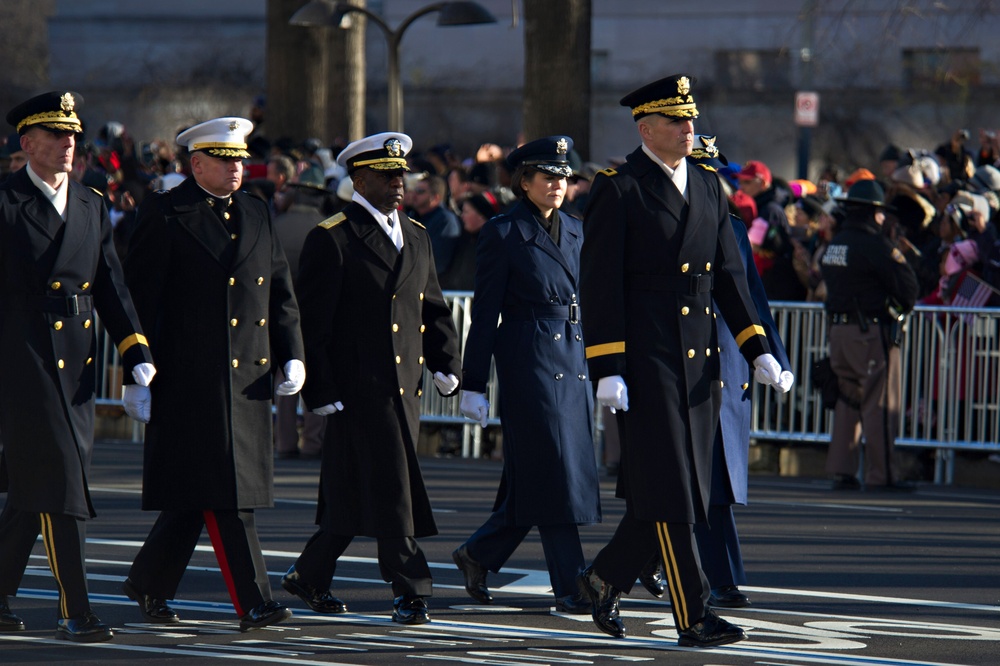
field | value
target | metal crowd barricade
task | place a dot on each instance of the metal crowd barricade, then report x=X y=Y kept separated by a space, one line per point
x=950 y=363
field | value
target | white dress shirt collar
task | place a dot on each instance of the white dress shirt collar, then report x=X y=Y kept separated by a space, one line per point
x=56 y=195
x=678 y=176
x=389 y=223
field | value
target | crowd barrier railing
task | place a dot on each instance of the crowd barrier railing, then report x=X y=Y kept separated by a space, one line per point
x=950 y=368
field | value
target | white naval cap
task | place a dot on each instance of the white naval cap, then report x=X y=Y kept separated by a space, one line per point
x=219 y=137
x=383 y=152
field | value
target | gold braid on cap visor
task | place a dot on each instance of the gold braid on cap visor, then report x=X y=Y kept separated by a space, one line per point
x=57 y=119
x=681 y=107
x=382 y=164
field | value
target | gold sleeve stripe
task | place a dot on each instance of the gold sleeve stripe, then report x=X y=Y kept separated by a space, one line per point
x=605 y=349
x=748 y=333
x=131 y=341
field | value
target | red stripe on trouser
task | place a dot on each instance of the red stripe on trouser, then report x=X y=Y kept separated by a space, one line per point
x=220 y=556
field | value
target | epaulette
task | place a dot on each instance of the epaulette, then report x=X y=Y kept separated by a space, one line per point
x=609 y=172
x=331 y=222
x=418 y=224
x=706 y=167
x=96 y=191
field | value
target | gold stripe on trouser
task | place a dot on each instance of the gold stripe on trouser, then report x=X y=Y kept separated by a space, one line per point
x=50 y=551
x=677 y=599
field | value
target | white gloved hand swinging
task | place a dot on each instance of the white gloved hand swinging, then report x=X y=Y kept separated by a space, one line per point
x=326 y=410
x=295 y=377
x=785 y=381
x=137 y=401
x=446 y=385
x=475 y=406
x=143 y=373
x=612 y=392
x=767 y=371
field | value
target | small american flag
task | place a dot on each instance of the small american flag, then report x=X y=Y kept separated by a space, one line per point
x=972 y=293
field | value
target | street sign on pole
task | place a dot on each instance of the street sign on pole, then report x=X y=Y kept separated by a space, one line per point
x=807 y=109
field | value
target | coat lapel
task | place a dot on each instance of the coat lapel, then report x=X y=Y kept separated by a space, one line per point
x=196 y=217
x=697 y=191
x=79 y=226
x=250 y=226
x=410 y=245
x=533 y=233
x=38 y=213
x=372 y=236
x=655 y=182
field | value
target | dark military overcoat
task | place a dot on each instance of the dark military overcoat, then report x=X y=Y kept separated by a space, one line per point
x=650 y=267
x=53 y=276
x=372 y=319
x=220 y=315
x=531 y=285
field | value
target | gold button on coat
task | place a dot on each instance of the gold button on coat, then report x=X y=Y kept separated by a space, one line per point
x=236 y=363
x=395 y=328
x=420 y=392
x=57 y=325
x=90 y=359
x=422 y=328
x=708 y=352
x=262 y=361
x=398 y=360
x=233 y=236
x=61 y=364
x=233 y=322
x=722 y=384
x=690 y=353
x=86 y=323
x=708 y=311
x=708 y=266
x=232 y=281
x=685 y=310
x=85 y=286
x=684 y=268
x=420 y=360
x=745 y=385
x=557 y=336
x=421 y=295
x=401 y=391
x=261 y=322
x=260 y=280
x=56 y=284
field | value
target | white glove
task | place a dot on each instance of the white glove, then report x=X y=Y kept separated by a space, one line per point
x=137 y=401
x=446 y=385
x=475 y=406
x=143 y=373
x=785 y=381
x=326 y=410
x=295 y=377
x=766 y=370
x=612 y=392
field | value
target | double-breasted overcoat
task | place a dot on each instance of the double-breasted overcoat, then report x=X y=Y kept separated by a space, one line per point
x=530 y=284
x=54 y=277
x=650 y=267
x=219 y=309
x=373 y=317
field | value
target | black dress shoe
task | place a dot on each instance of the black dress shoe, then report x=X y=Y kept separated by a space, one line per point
x=321 y=601
x=475 y=576
x=87 y=628
x=574 y=604
x=268 y=613
x=846 y=482
x=151 y=608
x=410 y=610
x=709 y=631
x=603 y=602
x=652 y=579
x=9 y=621
x=728 y=596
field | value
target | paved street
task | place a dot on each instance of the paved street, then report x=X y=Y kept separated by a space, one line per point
x=836 y=578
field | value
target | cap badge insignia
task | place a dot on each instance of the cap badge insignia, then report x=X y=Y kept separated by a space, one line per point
x=66 y=102
x=710 y=148
x=233 y=126
x=561 y=146
x=683 y=85
x=393 y=147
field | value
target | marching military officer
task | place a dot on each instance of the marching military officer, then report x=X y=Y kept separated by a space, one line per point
x=211 y=283
x=865 y=277
x=373 y=318
x=527 y=275
x=58 y=267
x=658 y=248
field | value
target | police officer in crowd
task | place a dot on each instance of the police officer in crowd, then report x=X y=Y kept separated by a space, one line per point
x=527 y=277
x=870 y=286
x=373 y=317
x=212 y=286
x=58 y=267
x=658 y=248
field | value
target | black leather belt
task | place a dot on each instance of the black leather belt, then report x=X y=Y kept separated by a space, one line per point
x=851 y=318
x=685 y=284
x=62 y=305
x=570 y=312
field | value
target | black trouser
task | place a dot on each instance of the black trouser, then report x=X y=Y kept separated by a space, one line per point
x=636 y=542
x=400 y=560
x=160 y=564
x=64 y=538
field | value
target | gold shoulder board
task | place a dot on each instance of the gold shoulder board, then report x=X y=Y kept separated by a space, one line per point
x=418 y=224
x=96 y=191
x=608 y=172
x=331 y=222
x=708 y=168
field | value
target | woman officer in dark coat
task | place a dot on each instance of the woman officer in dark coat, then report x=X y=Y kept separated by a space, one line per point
x=527 y=269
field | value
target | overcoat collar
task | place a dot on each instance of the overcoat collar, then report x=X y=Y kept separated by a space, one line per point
x=193 y=214
x=532 y=232
x=79 y=225
x=652 y=179
x=368 y=230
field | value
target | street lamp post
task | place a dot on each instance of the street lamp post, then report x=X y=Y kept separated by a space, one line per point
x=326 y=12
